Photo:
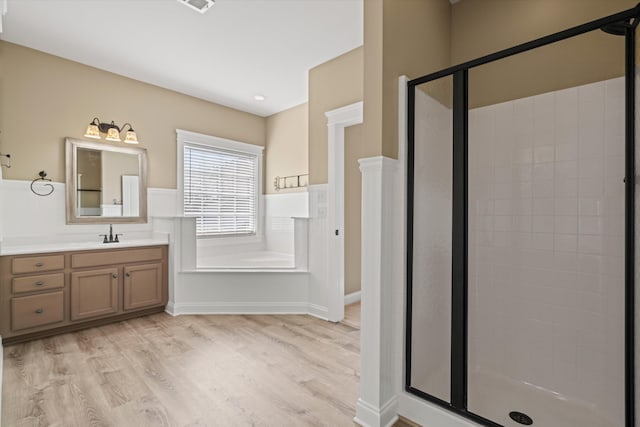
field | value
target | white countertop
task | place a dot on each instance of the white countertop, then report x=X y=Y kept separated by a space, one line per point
x=22 y=248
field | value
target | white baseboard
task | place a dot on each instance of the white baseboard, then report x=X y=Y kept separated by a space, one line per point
x=425 y=413
x=170 y=309
x=368 y=415
x=318 y=311
x=238 y=308
x=352 y=297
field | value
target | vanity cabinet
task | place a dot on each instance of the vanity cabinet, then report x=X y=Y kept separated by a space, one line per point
x=94 y=293
x=52 y=293
x=142 y=286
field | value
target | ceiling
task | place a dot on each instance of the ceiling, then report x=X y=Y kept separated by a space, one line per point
x=238 y=49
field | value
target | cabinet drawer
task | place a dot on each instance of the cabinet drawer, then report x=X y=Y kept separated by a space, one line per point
x=95 y=259
x=37 y=310
x=37 y=283
x=37 y=263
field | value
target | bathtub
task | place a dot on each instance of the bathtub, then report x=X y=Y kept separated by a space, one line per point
x=282 y=245
x=245 y=260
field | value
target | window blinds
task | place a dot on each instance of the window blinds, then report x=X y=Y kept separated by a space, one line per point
x=220 y=189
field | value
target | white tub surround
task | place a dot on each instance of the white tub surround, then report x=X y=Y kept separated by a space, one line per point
x=253 y=290
x=281 y=244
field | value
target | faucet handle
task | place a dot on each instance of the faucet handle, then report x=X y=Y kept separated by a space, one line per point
x=116 y=239
x=105 y=238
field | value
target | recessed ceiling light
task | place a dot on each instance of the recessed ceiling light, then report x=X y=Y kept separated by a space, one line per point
x=198 y=5
x=259 y=97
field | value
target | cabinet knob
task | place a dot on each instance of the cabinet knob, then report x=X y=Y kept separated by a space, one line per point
x=39 y=264
x=128 y=274
x=115 y=276
x=39 y=311
x=39 y=283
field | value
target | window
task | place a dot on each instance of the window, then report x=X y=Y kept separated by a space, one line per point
x=220 y=184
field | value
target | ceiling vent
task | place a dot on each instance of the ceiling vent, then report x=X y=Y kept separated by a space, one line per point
x=199 y=5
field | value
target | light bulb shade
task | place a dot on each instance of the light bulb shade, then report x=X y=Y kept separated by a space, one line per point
x=131 y=137
x=113 y=135
x=92 y=131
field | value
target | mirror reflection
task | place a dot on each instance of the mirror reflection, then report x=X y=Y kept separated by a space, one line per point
x=108 y=183
x=105 y=183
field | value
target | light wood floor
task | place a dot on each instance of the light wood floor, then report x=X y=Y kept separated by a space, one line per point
x=352 y=315
x=187 y=371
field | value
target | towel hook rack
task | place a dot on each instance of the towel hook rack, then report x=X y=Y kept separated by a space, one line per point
x=42 y=177
x=8 y=163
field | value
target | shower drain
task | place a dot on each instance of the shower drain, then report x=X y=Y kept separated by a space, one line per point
x=521 y=418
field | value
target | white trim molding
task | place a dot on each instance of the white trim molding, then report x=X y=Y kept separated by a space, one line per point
x=301 y=307
x=318 y=311
x=383 y=281
x=377 y=405
x=428 y=414
x=353 y=297
x=337 y=121
x=369 y=416
x=185 y=137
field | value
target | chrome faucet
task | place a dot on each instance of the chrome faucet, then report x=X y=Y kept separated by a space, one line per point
x=111 y=238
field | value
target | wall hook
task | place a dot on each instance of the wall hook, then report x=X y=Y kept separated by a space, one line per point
x=42 y=175
x=8 y=163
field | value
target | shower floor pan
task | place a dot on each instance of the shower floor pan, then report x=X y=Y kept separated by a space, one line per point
x=494 y=397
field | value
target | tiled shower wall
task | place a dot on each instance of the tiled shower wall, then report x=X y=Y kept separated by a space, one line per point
x=546 y=242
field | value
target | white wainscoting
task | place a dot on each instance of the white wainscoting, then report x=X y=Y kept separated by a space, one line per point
x=318 y=250
x=279 y=210
x=240 y=292
x=26 y=215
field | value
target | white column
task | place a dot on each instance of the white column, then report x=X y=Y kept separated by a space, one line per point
x=381 y=251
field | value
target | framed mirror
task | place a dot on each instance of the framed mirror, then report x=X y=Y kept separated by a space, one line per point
x=105 y=183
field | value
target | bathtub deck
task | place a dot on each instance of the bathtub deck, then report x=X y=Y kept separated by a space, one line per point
x=247 y=260
x=187 y=370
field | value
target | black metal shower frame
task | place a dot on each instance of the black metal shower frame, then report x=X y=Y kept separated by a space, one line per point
x=459 y=280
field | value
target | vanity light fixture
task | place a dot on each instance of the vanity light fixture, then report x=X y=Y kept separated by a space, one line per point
x=113 y=131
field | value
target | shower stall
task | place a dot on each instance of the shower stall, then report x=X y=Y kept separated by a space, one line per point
x=520 y=232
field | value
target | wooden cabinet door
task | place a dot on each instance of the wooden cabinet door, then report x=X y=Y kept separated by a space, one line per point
x=94 y=293
x=142 y=286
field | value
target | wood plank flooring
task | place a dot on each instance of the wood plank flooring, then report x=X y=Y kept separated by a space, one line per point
x=352 y=315
x=187 y=371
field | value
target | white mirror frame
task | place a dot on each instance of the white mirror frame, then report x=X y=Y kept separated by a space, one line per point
x=71 y=154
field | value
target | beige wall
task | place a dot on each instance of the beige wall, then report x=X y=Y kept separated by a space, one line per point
x=401 y=37
x=332 y=85
x=287 y=149
x=353 y=145
x=45 y=98
x=481 y=27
